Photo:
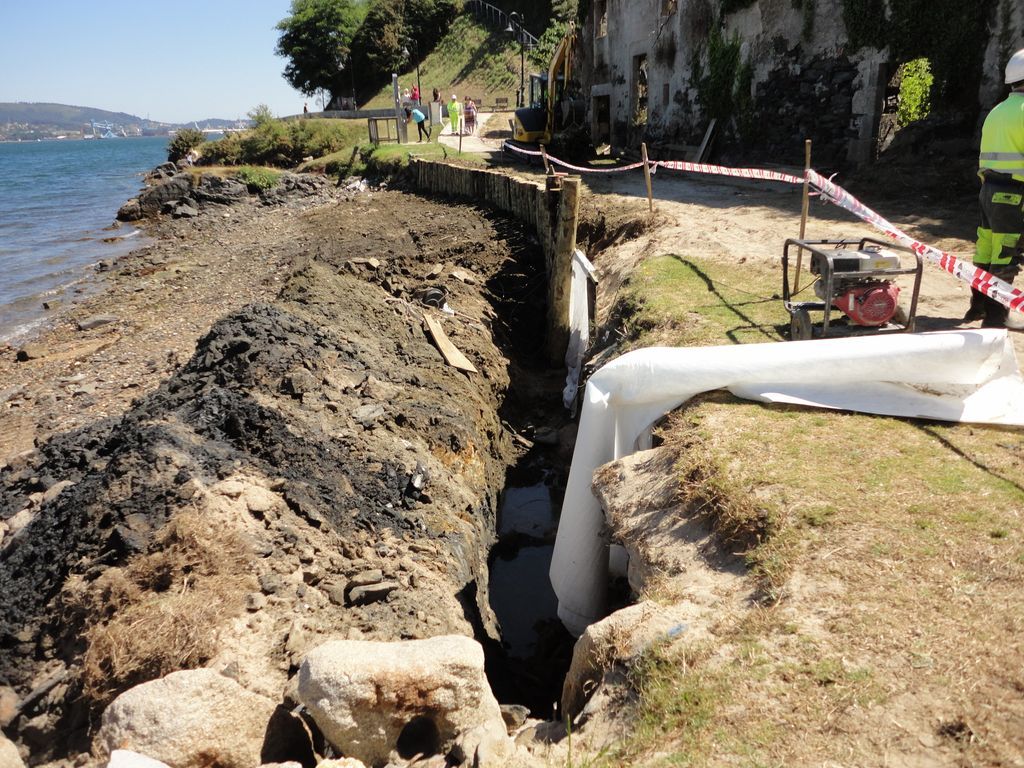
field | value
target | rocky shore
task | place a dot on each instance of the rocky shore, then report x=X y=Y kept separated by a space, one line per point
x=246 y=452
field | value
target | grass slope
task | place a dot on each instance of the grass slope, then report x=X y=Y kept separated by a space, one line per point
x=470 y=60
x=889 y=552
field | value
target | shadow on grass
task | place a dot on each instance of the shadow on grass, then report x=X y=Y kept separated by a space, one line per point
x=931 y=431
x=736 y=307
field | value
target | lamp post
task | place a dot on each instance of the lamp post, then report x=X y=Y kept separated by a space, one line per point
x=416 y=54
x=515 y=26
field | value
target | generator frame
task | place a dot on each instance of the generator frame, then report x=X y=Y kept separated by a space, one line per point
x=800 y=325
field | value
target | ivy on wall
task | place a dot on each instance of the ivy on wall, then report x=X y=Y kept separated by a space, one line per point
x=865 y=23
x=952 y=34
x=716 y=87
x=731 y=6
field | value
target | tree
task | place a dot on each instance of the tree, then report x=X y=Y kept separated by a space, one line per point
x=316 y=39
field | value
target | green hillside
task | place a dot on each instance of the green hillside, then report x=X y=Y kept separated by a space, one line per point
x=61 y=115
x=470 y=59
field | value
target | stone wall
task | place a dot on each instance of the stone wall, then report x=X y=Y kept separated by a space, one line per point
x=807 y=81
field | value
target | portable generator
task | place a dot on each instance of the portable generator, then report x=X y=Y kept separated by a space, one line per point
x=855 y=277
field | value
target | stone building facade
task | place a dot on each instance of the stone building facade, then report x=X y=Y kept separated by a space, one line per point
x=646 y=67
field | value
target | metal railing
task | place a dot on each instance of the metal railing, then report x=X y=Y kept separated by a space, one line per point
x=495 y=17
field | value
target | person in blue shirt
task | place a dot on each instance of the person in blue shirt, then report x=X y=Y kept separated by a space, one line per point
x=420 y=119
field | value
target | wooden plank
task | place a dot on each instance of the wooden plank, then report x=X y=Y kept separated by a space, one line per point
x=449 y=351
x=702 y=150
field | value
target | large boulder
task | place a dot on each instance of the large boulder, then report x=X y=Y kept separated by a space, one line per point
x=214 y=189
x=130 y=211
x=151 y=200
x=373 y=699
x=9 y=757
x=192 y=718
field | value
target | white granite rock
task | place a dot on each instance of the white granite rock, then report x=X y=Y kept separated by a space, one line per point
x=191 y=718
x=371 y=699
x=9 y=757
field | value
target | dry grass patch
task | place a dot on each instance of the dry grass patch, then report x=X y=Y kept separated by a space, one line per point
x=161 y=612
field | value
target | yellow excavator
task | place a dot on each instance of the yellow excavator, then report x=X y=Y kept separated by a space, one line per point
x=551 y=105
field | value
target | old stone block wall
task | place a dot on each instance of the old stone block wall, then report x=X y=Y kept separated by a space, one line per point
x=642 y=64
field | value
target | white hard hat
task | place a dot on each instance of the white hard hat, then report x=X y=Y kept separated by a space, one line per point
x=454 y=97
x=1015 y=68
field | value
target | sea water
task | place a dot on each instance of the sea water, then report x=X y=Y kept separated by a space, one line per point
x=58 y=200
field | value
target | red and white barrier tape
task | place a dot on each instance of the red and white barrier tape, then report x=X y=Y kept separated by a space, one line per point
x=974 y=276
x=722 y=170
x=563 y=164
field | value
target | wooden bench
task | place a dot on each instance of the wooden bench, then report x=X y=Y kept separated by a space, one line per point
x=501 y=104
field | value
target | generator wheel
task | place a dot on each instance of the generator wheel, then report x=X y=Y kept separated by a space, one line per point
x=800 y=325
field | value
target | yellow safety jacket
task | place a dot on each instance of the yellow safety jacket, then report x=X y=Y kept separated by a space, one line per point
x=1002 y=138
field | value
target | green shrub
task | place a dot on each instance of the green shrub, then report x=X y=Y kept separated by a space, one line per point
x=224 y=151
x=915 y=91
x=184 y=141
x=257 y=179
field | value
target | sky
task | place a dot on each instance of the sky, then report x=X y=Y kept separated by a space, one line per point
x=167 y=60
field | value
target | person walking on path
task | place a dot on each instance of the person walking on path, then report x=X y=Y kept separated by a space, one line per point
x=1000 y=247
x=453 y=114
x=469 y=110
x=419 y=118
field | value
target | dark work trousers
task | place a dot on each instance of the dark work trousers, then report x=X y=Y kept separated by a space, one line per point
x=424 y=132
x=1000 y=247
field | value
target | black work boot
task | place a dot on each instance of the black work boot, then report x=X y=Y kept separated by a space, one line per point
x=977 y=310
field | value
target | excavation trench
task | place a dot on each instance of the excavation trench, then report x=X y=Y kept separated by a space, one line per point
x=315 y=471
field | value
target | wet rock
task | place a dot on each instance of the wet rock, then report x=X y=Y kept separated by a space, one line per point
x=188 y=719
x=95 y=321
x=130 y=211
x=371 y=699
x=153 y=199
x=9 y=757
x=372 y=593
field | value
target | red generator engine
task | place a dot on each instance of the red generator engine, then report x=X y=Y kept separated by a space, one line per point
x=854 y=277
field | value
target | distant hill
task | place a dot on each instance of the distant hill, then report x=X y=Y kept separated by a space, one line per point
x=70 y=118
x=61 y=115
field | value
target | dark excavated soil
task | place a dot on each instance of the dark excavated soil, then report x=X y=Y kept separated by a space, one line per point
x=326 y=393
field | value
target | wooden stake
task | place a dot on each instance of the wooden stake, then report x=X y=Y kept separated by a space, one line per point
x=544 y=155
x=803 y=213
x=647 y=178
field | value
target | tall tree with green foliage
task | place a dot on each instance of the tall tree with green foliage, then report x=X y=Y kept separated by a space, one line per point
x=316 y=38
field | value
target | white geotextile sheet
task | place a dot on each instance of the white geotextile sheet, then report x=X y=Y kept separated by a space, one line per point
x=969 y=376
x=579 y=325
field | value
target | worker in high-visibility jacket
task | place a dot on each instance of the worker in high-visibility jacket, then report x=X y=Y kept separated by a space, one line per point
x=1000 y=248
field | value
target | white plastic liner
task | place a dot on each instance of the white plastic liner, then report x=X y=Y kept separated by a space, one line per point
x=579 y=324
x=969 y=376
